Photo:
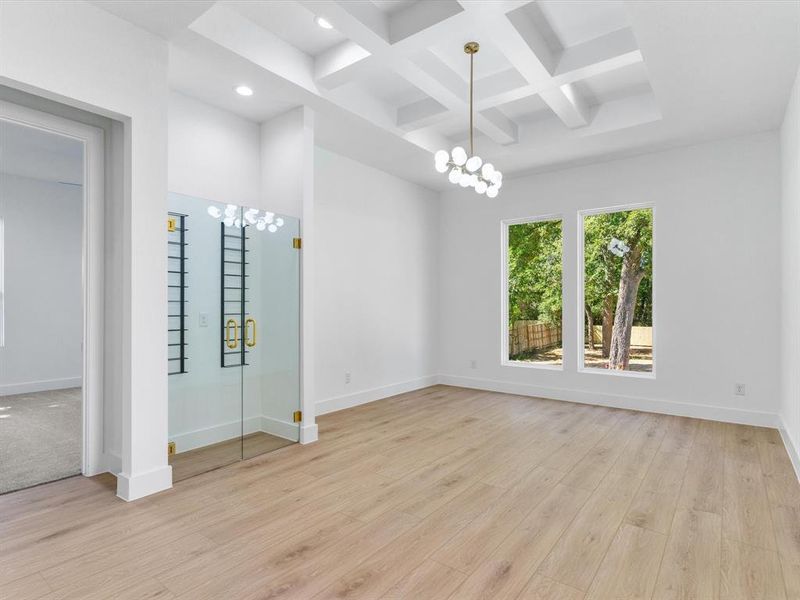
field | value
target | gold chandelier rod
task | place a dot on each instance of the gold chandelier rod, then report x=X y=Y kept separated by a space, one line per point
x=471 y=48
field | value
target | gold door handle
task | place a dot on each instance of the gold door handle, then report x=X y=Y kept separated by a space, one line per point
x=249 y=340
x=231 y=342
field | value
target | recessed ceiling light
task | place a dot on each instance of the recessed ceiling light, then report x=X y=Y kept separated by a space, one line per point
x=323 y=22
x=243 y=90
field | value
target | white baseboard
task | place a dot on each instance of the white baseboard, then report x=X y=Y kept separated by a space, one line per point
x=667 y=407
x=200 y=438
x=279 y=428
x=330 y=405
x=309 y=434
x=45 y=385
x=791 y=448
x=139 y=485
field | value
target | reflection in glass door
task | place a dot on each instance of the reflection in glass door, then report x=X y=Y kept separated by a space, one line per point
x=233 y=326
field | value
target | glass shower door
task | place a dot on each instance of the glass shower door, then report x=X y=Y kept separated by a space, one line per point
x=233 y=333
x=271 y=377
x=205 y=268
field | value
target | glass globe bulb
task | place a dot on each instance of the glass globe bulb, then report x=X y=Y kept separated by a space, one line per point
x=441 y=157
x=492 y=192
x=272 y=228
x=464 y=180
x=455 y=175
x=279 y=222
x=442 y=167
x=261 y=225
x=238 y=223
x=269 y=217
x=230 y=210
x=250 y=217
x=496 y=177
x=459 y=155
x=474 y=163
x=214 y=212
x=481 y=187
x=487 y=170
x=228 y=221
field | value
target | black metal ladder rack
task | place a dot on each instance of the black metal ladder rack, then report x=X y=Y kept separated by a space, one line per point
x=233 y=293
x=176 y=294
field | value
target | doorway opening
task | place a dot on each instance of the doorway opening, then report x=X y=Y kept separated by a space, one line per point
x=49 y=391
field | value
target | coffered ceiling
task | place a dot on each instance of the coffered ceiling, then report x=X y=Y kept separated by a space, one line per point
x=556 y=81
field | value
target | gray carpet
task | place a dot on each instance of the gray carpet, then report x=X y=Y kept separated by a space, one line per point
x=40 y=438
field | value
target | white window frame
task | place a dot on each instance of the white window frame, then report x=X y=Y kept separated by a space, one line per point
x=93 y=141
x=581 y=317
x=504 y=225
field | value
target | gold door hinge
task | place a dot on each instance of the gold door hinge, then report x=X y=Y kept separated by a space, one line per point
x=297 y=243
x=171 y=224
x=170 y=448
x=298 y=416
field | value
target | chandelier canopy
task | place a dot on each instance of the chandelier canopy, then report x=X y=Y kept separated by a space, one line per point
x=469 y=170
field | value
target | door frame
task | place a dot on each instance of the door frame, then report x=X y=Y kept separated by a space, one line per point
x=92 y=455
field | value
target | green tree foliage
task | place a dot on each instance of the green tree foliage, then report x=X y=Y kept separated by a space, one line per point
x=602 y=268
x=534 y=272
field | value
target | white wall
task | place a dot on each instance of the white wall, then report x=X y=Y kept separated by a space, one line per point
x=83 y=56
x=43 y=224
x=790 y=276
x=212 y=154
x=716 y=276
x=376 y=297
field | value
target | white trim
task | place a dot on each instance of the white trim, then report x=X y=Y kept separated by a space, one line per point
x=504 y=225
x=580 y=311
x=279 y=428
x=200 y=438
x=309 y=434
x=792 y=450
x=143 y=484
x=665 y=407
x=336 y=403
x=92 y=138
x=44 y=385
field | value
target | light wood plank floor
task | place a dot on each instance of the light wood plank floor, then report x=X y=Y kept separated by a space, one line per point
x=193 y=462
x=440 y=493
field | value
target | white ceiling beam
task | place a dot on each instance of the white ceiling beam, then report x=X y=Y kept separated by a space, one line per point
x=608 y=52
x=231 y=30
x=602 y=55
x=378 y=47
x=420 y=16
x=338 y=65
x=420 y=114
x=431 y=75
x=520 y=46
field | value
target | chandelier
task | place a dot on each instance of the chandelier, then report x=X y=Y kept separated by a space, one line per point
x=469 y=170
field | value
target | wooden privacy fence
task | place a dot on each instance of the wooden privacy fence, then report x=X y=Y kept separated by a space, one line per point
x=640 y=336
x=532 y=335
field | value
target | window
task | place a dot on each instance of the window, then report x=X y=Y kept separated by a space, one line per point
x=533 y=303
x=617 y=290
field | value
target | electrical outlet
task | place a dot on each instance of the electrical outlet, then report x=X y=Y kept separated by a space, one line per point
x=473 y=364
x=739 y=389
x=203 y=319
x=347 y=377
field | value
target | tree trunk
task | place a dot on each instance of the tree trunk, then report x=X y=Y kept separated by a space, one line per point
x=630 y=278
x=589 y=325
x=608 y=323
